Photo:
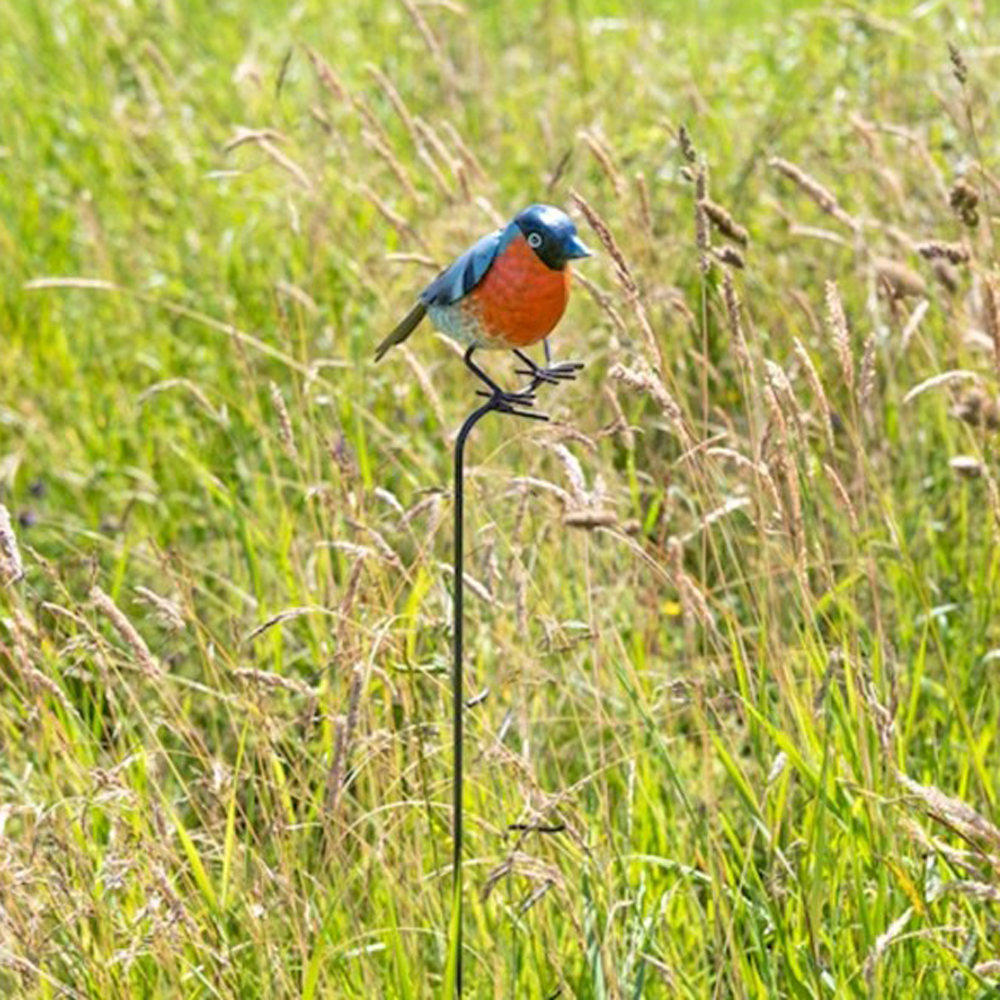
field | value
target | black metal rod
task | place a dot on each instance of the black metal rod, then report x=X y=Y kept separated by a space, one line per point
x=457 y=694
x=512 y=404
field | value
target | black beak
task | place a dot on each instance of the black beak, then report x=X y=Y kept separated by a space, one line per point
x=575 y=248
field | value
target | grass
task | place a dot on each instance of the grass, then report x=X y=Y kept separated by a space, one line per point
x=734 y=612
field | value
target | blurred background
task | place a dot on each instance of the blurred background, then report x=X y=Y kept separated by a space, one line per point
x=731 y=617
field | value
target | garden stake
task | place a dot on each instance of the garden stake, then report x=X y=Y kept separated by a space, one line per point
x=516 y=405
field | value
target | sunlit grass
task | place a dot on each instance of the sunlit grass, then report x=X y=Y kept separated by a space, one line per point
x=736 y=635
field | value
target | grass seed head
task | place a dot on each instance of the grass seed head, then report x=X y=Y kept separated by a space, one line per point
x=959 y=67
x=964 y=200
x=285 y=432
x=991 y=317
x=953 y=253
x=11 y=566
x=128 y=632
x=840 y=333
x=808 y=184
x=686 y=143
x=722 y=219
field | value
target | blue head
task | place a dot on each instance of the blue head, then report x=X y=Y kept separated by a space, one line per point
x=551 y=234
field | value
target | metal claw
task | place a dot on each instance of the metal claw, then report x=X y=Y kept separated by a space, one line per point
x=514 y=412
x=538 y=375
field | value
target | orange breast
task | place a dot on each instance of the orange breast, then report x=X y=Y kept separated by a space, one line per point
x=520 y=300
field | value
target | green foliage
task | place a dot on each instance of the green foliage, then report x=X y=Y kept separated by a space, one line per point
x=740 y=669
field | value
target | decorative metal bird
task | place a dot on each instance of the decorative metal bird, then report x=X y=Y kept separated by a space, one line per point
x=507 y=292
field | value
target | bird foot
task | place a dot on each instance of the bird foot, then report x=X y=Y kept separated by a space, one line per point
x=564 y=371
x=517 y=404
x=552 y=373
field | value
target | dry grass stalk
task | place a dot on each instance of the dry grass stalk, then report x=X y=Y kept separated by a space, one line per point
x=342 y=745
x=574 y=475
x=694 y=605
x=784 y=464
x=778 y=381
x=425 y=382
x=734 y=316
x=432 y=503
x=993 y=493
x=382 y=547
x=440 y=181
x=812 y=187
x=729 y=256
x=271 y=680
x=602 y=154
x=964 y=200
x=335 y=776
x=777 y=767
x=590 y=518
x=843 y=496
x=11 y=566
x=370 y=120
x=866 y=378
x=399 y=105
x=327 y=77
x=730 y=506
x=129 y=635
x=723 y=221
x=396 y=221
x=519 y=863
x=476 y=587
x=623 y=273
x=966 y=466
x=959 y=67
x=377 y=143
x=286 y=435
x=521 y=598
x=432 y=43
x=645 y=205
x=840 y=333
x=620 y=424
x=952 y=812
x=646 y=381
x=24 y=635
x=913 y=323
x=819 y=393
x=991 y=317
x=978 y=409
x=759 y=469
x=942 y=378
x=687 y=144
x=218 y=415
x=953 y=253
x=433 y=141
x=947 y=276
x=977 y=890
x=169 y=611
x=288 y=614
x=703 y=235
x=817 y=233
x=898 y=280
x=882 y=942
x=604 y=303
x=347 y=617
x=286 y=163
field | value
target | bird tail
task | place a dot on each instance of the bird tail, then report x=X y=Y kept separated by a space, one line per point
x=407 y=325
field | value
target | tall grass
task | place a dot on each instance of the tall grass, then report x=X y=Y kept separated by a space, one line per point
x=731 y=634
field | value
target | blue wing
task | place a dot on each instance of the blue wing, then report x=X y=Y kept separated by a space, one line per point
x=457 y=280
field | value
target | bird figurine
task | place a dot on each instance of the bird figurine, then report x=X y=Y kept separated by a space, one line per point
x=506 y=292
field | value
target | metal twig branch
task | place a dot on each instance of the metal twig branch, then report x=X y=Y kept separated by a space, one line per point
x=516 y=404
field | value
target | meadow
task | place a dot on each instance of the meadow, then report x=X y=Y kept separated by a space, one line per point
x=731 y=617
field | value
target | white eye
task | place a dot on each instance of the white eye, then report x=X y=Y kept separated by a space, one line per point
x=534 y=240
